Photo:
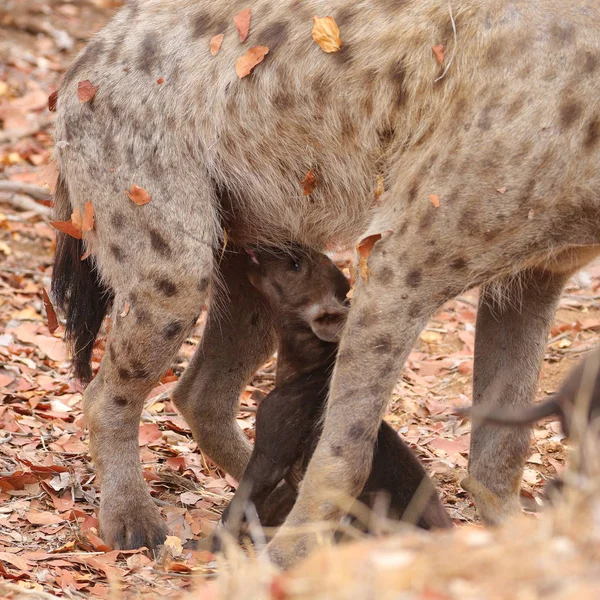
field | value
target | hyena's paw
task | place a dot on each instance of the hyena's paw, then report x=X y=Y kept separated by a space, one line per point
x=128 y=525
x=492 y=509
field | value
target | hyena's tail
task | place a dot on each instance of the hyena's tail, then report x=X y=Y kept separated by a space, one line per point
x=77 y=290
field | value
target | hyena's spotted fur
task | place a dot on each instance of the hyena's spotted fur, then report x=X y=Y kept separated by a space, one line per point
x=518 y=111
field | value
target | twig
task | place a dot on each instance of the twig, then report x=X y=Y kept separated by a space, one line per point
x=454 y=46
x=25 y=203
x=20 y=187
x=249 y=409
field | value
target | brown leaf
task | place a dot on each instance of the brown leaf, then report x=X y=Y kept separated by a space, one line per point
x=242 y=23
x=215 y=44
x=309 y=183
x=438 y=51
x=138 y=195
x=86 y=90
x=126 y=309
x=76 y=218
x=87 y=222
x=326 y=33
x=435 y=200
x=364 y=248
x=245 y=63
x=380 y=188
x=67 y=227
x=160 y=81
x=50 y=312
x=177 y=567
x=52 y=98
x=36 y=517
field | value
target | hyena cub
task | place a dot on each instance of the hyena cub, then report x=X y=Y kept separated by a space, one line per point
x=307 y=294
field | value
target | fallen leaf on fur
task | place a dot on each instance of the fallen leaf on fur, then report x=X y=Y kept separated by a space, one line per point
x=52 y=98
x=242 y=23
x=86 y=90
x=160 y=81
x=501 y=190
x=87 y=253
x=438 y=51
x=326 y=34
x=87 y=221
x=245 y=63
x=50 y=312
x=215 y=44
x=309 y=183
x=379 y=188
x=67 y=227
x=138 y=195
x=126 y=309
x=435 y=200
x=364 y=248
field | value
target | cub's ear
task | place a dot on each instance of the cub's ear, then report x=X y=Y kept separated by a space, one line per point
x=328 y=323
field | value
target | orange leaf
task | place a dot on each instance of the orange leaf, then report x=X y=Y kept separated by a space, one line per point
x=245 y=63
x=67 y=227
x=309 y=183
x=242 y=23
x=50 y=312
x=177 y=567
x=36 y=517
x=87 y=253
x=215 y=44
x=52 y=98
x=380 y=187
x=86 y=90
x=439 y=53
x=326 y=33
x=138 y=195
x=364 y=248
x=76 y=218
x=435 y=200
x=160 y=80
x=87 y=222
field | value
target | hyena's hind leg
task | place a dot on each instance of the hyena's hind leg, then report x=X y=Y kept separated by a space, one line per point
x=509 y=348
x=238 y=338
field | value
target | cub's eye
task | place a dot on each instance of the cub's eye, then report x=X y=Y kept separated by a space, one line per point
x=295 y=264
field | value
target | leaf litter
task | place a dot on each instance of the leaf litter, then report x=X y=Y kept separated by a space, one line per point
x=49 y=493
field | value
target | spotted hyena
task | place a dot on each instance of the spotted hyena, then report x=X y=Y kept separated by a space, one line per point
x=508 y=139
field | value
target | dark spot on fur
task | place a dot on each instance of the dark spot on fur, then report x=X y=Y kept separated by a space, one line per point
x=120 y=400
x=367 y=318
x=284 y=101
x=433 y=259
x=254 y=319
x=415 y=310
x=344 y=56
x=201 y=23
x=383 y=344
x=459 y=264
x=592 y=134
x=357 y=430
x=138 y=370
x=159 y=244
x=172 y=330
x=403 y=228
x=569 y=112
x=412 y=192
x=124 y=374
x=274 y=35
x=346 y=16
x=111 y=353
x=337 y=450
x=590 y=63
x=562 y=33
x=116 y=252
x=148 y=54
x=203 y=285
x=385 y=275
x=515 y=107
x=414 y=277
x=397 y=74
x=494 y=51
x=166 y=286
x=427 y=219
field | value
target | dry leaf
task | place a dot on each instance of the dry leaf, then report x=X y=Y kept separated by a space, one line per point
x=76 y=218
x=380 y=188
x=309 y=183
x=50 y=312
x=87 y=253
x=126 y=309
x=215 y=44
x=67 y=227
x=501 y=190
x=173 y=543
x=242 y=23
x=138 y=195
x=160 y=81
x=86 y=90
x=364 y=248
x=245 y=63
x=438 y=51
x=52 y=98
x=326 y=33
x=435 y=200
x=87 y=222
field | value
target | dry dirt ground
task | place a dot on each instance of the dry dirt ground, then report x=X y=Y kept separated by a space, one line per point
x=48 y=494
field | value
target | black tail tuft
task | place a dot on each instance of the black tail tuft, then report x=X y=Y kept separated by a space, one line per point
x=77 y=290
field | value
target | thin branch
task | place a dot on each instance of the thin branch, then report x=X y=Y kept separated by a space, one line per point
x=26 y=204
x=20 y=187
